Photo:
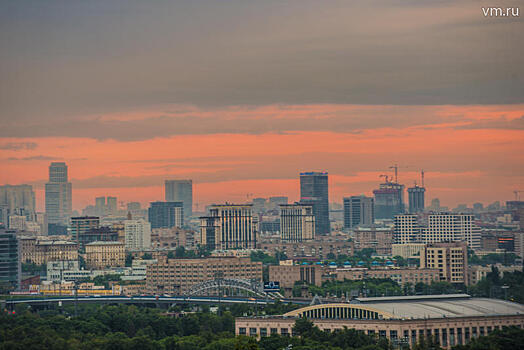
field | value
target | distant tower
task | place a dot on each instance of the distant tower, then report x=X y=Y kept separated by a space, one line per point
x=314 y=191
x=416 y=199
x=58 y=195
x=358 y=210
x=180 y=191
x=166 y=214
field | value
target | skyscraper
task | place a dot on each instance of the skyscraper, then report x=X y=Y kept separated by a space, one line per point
x=10 y=271
x=229 y=226
x=166 y=214
x=297 y=223
x=389 y=200
x=16 y=200
x=314 y=192
x=58 y=195
x=180 y=191
x=358 y=210
x=416 y=199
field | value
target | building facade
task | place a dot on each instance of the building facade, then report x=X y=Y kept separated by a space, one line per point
x=177 y=276
x=10 y=267
x=166 y=214
x=416 y=199
x=314 y=191
x=58 y=195
x=358 y=210
x=180 y=191
x=445 y=227
x=16 y=200
x=101 y=255
x=297 y=223
x=389 y=200
x=377 y=238
x=137 y=234
x=450 y=258
x=229 y=226
x=81 y=224
x=407 y=229
x=407 y=250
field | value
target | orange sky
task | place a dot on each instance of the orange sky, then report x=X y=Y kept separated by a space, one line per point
x=469 y=153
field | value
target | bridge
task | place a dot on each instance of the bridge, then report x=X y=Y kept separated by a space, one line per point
x=146 y=300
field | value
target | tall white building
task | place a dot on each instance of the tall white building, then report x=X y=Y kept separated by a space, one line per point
x=444 y=227
x=137 y=234
x=229 y=226
x=58 y=195
x=407 y=229
x=297 y=223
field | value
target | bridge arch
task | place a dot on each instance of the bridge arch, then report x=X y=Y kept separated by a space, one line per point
x=227 y=283
x=340 y=311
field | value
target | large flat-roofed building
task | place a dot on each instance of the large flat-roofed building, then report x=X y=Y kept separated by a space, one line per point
x=450 y=258
x=358 y=210
x=407 y=250
x=445 y=227
x=449 y=320
x=179 y=275
x=229 y=226
x=314 y=191
x=37 y=251
x=314 y=250
x=81 y=224
x=407 y=229
x=180 y=191
x=297 y=223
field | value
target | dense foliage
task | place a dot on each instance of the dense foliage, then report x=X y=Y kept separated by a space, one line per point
x=510 y=286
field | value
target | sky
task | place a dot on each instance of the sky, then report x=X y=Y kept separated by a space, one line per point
x=241 y=96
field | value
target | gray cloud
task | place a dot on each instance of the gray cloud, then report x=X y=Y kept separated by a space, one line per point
x=39 y=157
x=85 y=58
x=17 y=146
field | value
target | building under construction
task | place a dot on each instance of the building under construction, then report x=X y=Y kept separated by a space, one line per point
x=389 y=200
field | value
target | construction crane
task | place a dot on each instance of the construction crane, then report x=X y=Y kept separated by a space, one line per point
x=517 y=194
x=385 y=176
x=396 y=171
x=422 y=177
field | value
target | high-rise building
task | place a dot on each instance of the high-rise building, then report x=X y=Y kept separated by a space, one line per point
x=180 y=191
x=137 y=233
x=407 y=229
x=166 y=214
x=17 y=222
x=10 y=271
x=314 y=191
x=229 y=226
x=358 y=210
x=416 y=199
x=445 y=227
x=451 y=258
x=82 y=224
x=16 y=200
x=112 y=205
x=389 y=200
x=297 y=223
x=58 y=195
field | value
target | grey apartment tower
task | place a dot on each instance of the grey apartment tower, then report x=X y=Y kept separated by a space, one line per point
x=314 y=192
x=358 y=210
x=416 y=199
x=58 y=196
x=180 y=191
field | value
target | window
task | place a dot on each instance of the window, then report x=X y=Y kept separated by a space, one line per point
x=273 y=331
x=381 y=333
x=242 y=331
x=284 y=331
x=252 y=332
x=263 y=332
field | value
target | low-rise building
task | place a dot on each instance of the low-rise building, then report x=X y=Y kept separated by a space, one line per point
x=100 y=255
x=477 y=273
x=377 y=238
x=37 y=251
x=407 y=250
x=449 y=320
x=317 y=249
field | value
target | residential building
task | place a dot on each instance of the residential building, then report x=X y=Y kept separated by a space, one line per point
x=297 y=222
x=445 y=227
x=477 y=272
x=180 y=191
x=53 y=250
x=174 y=237
x=138 y=234
x=16 y=200
x=17 y=222
x=229 y=226
x=58 y=195
x=81 y=224
x=314 y=191
x=407 y=229
x=407 y=250
x=450 y=258
x=308 y=250
x=358 y=211
x=101 y=255
x=100 y=234
x=166 y=214
x=379 y=239
x=177 y=276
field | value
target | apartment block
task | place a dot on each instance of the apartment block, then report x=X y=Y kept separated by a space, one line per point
x=450 y=258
